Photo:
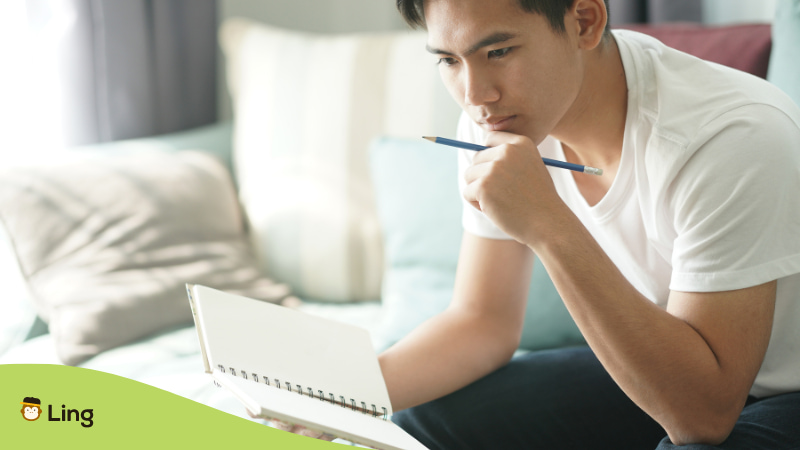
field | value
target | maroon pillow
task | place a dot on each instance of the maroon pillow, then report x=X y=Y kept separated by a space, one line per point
x=743 y=47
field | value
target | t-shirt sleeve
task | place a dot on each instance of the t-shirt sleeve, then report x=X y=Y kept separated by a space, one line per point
x=472 y=219
x=735 y=203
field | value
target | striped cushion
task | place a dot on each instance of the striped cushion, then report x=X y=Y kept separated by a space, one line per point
x=306 y=108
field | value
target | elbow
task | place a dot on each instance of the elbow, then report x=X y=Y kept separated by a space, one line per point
x=497 y=340
x=501 y=347
x=508 y=346
x=493 y=339
x=712 y=438
x=706 y=420
x=712 y=431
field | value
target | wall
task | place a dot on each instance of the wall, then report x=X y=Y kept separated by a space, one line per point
x=719 y=12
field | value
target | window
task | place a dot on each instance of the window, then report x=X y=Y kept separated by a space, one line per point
x=30 y=109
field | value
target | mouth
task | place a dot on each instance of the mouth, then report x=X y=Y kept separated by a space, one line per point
x=497 y=123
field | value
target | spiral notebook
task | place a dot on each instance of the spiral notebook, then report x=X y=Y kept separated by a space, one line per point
x=306 y=370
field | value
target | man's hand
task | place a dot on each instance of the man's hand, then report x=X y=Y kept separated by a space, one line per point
x=301 y=430
x=510 y=184
x=296 y=429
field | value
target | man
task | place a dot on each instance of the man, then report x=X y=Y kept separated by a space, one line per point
x=680 y=264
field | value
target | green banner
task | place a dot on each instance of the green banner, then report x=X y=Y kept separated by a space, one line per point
x=64 y=407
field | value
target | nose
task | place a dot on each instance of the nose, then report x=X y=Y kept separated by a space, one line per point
x=479 y=88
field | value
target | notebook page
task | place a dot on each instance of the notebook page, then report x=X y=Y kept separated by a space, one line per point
x=266 y=340
x=320 y=416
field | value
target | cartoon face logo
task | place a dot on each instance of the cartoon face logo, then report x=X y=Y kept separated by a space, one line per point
x=31 y=408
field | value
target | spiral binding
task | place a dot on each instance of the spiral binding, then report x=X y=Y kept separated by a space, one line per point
x=288 y=386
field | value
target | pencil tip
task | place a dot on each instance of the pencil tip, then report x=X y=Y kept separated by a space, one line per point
x=432 y=139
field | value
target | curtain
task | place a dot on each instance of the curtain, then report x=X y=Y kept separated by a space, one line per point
x=654 y=11
x=130 y=68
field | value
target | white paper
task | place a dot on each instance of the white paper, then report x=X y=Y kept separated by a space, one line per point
x=319 y=416
x=246 y=340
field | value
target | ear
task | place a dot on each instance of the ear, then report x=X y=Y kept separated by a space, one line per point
x=590 y=18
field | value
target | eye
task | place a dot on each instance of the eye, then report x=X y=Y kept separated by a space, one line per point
x=447 y=61
x=499 y=53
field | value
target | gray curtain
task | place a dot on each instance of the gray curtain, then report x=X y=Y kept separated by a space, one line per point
x=654 y=11
x=132 y=68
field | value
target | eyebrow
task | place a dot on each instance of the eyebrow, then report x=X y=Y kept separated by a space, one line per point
x=492 y=39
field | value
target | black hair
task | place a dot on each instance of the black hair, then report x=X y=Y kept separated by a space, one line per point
x=552 y=10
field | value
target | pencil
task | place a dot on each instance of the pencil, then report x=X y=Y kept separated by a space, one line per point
x=547 y=161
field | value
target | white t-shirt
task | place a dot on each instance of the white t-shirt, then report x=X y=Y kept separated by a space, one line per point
x=707 y=196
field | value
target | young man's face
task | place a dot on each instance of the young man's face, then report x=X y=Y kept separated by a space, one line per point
x=506 y=67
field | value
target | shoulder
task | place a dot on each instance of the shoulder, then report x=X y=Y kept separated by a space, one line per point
x=685 y=109
x=752 y=137
x=756 y=142
x=680 y=94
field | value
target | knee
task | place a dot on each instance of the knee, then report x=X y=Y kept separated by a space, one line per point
x=407 y=420
x=430 y=425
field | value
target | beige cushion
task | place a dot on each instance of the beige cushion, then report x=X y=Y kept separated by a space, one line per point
x=107 y=243
x=306 y=108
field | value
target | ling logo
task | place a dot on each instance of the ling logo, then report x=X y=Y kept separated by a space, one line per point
x=31 y=408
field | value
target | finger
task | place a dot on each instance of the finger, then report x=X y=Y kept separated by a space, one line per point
x=496 y=138
x=281 y=425
x=302 y=431
x=505 y=146
x=490 y=154
x=470 y=194
x=476 y=171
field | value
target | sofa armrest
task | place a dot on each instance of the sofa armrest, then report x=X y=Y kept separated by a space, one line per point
x=745 y=47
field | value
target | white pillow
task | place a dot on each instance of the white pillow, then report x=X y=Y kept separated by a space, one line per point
x=306 y=108
x=18 y=315
x=107 y=242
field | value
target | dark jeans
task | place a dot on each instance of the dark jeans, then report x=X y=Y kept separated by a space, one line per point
x=564 y=399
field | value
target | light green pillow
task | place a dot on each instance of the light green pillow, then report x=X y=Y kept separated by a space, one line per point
x=784 y=61
x=419 y=207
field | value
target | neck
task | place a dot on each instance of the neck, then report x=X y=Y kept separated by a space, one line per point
x=592 y=130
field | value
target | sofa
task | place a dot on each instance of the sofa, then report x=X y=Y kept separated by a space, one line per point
x=318 y=195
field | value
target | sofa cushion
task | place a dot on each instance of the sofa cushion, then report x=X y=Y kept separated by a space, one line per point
x=306 y=107
x=744 y=47
x=420 y=211
x=107 y=243
x=784 y=63
x=18 y=316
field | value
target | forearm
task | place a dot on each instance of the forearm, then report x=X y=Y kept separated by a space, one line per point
x=661 y=362
x=444 y=354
